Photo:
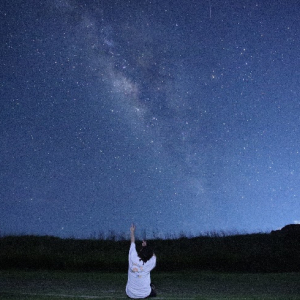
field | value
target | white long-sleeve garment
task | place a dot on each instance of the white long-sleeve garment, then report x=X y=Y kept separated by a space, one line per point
x=138 y=284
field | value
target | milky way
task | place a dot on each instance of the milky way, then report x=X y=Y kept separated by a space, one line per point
x=177 y=118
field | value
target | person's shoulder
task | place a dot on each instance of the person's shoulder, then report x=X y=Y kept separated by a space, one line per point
x=152 y=259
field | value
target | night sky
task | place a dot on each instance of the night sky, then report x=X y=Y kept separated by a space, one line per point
x=179 y=116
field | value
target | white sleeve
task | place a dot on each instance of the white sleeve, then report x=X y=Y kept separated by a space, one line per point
x=132 y=254
x=132 y=248
x=151 y=263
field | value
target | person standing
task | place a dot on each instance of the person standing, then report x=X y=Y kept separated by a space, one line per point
x=140 y=264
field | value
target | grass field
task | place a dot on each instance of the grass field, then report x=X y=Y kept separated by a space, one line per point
x=47 y=285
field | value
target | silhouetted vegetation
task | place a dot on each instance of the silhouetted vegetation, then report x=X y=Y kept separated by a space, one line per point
x=275 y=252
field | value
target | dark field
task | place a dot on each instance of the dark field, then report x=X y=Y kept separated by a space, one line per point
x=252 y=253
x=35 y=285
x=254 y=266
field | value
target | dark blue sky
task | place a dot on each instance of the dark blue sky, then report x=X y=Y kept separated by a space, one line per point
x=178 y=116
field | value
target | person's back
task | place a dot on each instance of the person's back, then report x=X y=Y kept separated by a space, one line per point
x=140 y=265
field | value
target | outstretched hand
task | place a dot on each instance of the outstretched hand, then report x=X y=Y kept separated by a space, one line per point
x=132 y=228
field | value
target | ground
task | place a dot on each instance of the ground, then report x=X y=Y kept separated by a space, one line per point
x=37 y=285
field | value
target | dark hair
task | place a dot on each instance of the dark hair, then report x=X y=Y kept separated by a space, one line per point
x=145 y=253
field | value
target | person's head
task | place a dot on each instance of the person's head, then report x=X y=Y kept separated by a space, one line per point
x=145 y=253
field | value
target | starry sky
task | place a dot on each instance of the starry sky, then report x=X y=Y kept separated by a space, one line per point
x=179 y=116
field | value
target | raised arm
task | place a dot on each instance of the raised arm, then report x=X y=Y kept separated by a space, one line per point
x=132 y=231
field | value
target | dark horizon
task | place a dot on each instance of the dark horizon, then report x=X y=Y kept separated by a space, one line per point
x=254 y=253
x=112 y=235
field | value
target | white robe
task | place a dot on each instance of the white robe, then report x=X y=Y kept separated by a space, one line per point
x=138 y=284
